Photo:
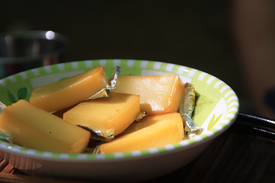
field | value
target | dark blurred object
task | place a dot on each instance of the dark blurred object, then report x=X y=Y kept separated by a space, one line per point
x=255 y=125
x=23 y=50
x=253 y=25
x=269 y=98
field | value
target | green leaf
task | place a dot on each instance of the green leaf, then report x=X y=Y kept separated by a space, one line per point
x=11 y=97
x=213 y=121
x=202 y=102
x=22 y=93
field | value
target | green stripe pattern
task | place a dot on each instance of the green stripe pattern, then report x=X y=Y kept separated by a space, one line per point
x=11 y=91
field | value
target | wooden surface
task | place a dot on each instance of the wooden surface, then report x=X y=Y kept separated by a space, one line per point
x=232 y=157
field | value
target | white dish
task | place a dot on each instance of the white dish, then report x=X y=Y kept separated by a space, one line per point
x=215 y=117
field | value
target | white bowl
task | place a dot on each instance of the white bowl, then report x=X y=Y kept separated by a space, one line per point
x=215 y=117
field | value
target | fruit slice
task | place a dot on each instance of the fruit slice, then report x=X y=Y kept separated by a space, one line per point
x=159 y=94
x=35 y=128
x=150 y=132
x=151 y=120
x=106 y=114
x=69 y=91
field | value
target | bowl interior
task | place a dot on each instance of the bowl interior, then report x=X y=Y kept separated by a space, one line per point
x=217 y=104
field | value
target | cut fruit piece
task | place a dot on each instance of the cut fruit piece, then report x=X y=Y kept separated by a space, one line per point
x=35 y=128
x=115 y=112
x=159 y=94
x=151 y=120
x=150 y=132
x=67 y=92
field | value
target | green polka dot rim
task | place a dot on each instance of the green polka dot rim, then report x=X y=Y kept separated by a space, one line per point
x=218 y=111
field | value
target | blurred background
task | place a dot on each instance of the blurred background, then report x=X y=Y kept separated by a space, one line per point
x=197 y=34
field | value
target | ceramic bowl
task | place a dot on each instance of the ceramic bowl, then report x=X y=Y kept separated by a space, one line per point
x=218 y=111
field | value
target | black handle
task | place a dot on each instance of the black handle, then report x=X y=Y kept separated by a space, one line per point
x=255 y=125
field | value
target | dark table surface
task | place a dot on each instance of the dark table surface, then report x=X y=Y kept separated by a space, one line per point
x=234 y=156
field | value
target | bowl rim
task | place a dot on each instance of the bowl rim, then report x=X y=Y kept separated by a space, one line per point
x=170 y=148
